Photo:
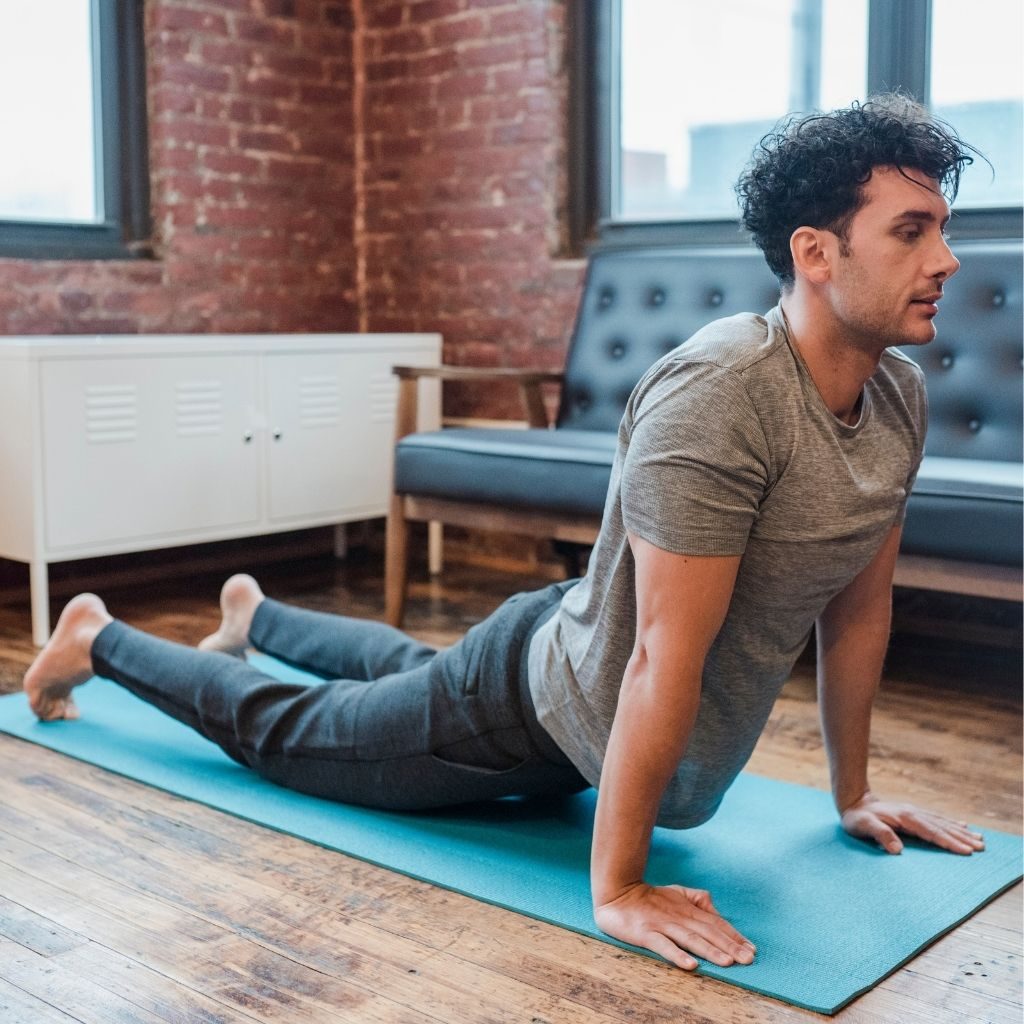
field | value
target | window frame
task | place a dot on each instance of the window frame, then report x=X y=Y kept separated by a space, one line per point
x=120 y=77
x=898 y=57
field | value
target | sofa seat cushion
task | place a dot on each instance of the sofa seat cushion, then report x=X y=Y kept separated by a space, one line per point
x=967 y=509
x=547 y=470
x=963 y=509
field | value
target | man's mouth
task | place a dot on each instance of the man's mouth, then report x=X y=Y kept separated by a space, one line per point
x=929 y=302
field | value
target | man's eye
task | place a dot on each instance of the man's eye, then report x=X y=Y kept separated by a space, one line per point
x=910 y=234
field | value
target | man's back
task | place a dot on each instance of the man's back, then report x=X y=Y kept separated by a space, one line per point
x=726 y=448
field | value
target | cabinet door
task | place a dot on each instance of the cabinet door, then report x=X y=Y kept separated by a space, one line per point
x=148 y=448
x=331 y=420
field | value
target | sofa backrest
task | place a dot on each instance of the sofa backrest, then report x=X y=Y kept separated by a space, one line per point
x=975 y=365
x=638 y=304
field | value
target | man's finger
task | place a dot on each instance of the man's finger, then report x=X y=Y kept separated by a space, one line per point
x=700 y=944
x=886 y=837
x=671 y=951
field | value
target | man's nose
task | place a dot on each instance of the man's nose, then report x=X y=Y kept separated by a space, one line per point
x=946 y=263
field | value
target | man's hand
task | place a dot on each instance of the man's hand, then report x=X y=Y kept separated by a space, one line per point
x=871 y=818
x=673 y=922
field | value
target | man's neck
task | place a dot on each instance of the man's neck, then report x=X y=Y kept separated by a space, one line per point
x=838 y=366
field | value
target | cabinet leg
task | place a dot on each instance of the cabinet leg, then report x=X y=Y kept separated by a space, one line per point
x=435 y=547
x=396 y=564
x=39 y=586
x=340 y=540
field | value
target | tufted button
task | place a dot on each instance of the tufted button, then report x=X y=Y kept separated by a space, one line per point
x=715 y=297
x=657 y=297
x=605 y=297
x=974 y=425
x=998 y=298
x=617 y=349
x=670 y=343
x=946 y=362
x=583 y=401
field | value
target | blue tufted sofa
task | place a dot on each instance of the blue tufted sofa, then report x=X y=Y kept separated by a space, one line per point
x=964 y=522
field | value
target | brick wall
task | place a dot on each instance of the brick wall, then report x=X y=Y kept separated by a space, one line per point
x=251 y=163
x=408 y=176
x=463 y=180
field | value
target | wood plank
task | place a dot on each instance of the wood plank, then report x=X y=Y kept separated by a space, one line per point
x=284 y=923
x=230 y=918
x=19 y=1007
x=518 y=959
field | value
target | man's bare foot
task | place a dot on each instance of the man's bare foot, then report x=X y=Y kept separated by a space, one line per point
x=239 y=598
x=66 y=660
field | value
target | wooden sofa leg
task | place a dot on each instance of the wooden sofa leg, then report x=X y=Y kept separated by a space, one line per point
x=396 y=562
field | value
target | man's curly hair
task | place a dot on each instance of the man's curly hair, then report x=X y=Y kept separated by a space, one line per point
x=810 y=171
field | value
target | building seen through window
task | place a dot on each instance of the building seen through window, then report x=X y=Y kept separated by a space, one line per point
x=699 y=84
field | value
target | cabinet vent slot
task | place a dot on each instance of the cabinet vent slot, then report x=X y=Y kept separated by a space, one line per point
x=319 y=401
x=199 y=408
x=111 y=413
x=383 y=397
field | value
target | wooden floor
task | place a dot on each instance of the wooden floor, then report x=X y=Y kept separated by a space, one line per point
x=121 y=903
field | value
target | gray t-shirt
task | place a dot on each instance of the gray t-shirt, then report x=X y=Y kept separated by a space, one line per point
x=727 y=448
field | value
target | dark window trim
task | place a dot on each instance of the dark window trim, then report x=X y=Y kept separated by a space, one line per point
x=898 y=57
x=125 y=230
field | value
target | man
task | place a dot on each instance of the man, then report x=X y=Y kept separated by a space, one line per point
x=757 y=491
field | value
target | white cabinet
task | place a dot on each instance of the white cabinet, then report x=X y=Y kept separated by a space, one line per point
x=113 y=444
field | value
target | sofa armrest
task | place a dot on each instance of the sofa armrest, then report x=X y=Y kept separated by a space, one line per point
x=529 y=382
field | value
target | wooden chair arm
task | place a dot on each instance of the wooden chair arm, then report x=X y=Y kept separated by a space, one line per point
x=529 y=382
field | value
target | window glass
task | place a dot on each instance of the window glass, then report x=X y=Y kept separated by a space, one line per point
x=48 y=171
x=976 y=85
x=702 y=82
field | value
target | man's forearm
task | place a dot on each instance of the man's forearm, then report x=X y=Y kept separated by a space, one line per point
x=647 y=741
x=850 y=663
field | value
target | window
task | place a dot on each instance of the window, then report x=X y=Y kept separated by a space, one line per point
x=975 y=85
x=73 y=181
x=682 y=90
x=689 y=113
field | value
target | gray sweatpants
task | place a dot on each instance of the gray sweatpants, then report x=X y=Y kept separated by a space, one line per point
x=395 y=724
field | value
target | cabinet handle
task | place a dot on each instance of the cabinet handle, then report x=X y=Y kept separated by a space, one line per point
x=278 y=434
x=247 y=437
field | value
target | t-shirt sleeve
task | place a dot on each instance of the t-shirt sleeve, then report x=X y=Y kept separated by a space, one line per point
x=697 y=464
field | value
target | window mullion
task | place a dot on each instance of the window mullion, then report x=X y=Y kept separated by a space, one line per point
x=899 y=46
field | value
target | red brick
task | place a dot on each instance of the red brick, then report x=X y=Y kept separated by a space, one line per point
x=231 y=163
x=384 y=15
x=188 y=132
x=266 y=141
x=169 y=98
x=462 y=86
x=278 y=8
x=432 y=10
x=324 y=94
x=522 y=19
x=263 y=84
x=257 y=30
x=458 y=30
x=170 y=17
x=196 y=76
x=339 y=15
x=228 y=53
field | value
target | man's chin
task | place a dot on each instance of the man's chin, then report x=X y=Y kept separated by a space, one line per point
x=921 y=335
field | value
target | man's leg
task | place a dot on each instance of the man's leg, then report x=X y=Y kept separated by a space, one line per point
x=331 y=646
x=451 y=730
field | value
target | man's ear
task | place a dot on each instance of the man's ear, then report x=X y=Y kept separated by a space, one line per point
x=812 y=255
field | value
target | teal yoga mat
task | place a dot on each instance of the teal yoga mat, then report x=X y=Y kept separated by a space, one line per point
x=831 y=916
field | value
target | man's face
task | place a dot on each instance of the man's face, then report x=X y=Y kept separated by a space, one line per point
x=889 y=276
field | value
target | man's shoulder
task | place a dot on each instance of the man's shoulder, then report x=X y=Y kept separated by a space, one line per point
x=897 y=368
x=730 y=343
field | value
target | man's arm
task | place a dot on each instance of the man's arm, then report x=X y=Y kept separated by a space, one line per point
x=852 y=636
x=681 y=604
